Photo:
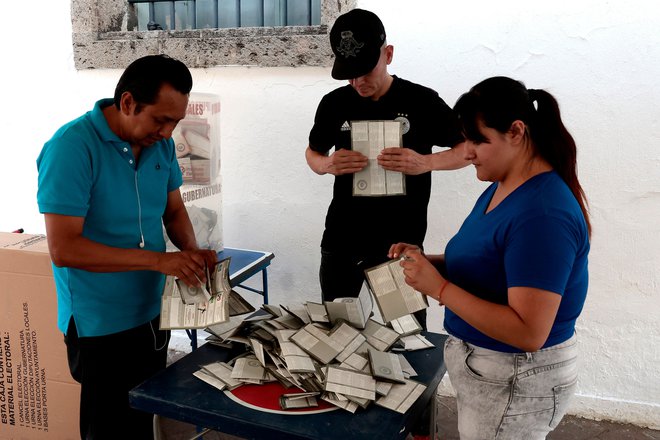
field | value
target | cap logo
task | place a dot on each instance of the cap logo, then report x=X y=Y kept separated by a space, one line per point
x=348 y=46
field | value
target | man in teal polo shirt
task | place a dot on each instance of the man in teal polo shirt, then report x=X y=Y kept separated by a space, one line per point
x=108 y=182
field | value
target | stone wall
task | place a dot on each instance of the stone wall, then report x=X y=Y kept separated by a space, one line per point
x=104 y=37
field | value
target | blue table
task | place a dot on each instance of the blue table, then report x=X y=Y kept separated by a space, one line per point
x=175 y=393
x=244 y=264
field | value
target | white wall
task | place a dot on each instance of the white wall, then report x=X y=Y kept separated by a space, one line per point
x=600 y=59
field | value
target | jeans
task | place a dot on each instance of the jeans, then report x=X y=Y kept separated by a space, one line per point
x=510 y=395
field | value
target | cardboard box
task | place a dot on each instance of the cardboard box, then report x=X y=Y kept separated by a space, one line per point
x=38 y=397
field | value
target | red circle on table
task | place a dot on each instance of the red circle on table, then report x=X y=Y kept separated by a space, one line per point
x=266 y=398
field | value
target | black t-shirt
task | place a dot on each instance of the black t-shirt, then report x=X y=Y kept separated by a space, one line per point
x=362 y=226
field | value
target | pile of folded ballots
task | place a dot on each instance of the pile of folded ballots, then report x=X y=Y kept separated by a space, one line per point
x=327 y=351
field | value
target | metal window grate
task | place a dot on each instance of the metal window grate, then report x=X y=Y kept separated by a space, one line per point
x=205 y=14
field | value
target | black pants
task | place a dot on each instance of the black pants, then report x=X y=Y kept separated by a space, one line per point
x=342 y=275
x=108 y=367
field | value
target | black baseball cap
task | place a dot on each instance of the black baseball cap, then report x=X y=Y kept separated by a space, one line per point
x=356 y=39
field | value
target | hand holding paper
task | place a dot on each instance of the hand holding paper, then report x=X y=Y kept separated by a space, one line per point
x=421 y=275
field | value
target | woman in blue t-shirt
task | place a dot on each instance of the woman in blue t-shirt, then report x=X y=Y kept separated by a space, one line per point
x=514 y=278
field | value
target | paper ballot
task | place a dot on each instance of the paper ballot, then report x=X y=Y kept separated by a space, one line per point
x=393 y=296
x=350 y=383
x=386 y=366
x=379 y=336
x=323 y=346
x=355 y=311
x=369 y=138
x=402 y=396
x=185 y=307
x=406 y=325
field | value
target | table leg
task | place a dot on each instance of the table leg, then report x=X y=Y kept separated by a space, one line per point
x=192 y=334
x=433 y=429
x=264 y=281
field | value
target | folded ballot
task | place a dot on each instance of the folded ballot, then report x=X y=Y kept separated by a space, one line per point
x=190 y=307
x=393 y=296
x=355 y=311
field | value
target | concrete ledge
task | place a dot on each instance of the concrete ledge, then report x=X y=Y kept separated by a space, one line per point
x=622 y=411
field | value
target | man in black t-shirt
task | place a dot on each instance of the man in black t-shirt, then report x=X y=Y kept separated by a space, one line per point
x=360 y=230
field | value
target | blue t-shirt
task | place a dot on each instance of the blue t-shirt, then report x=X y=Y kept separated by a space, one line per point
x=86 y=170
x=536 y=237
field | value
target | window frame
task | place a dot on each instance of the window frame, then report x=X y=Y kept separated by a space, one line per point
x=101 y=40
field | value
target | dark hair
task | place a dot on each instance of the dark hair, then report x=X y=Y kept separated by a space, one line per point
x=499 y=101
x=144 y=77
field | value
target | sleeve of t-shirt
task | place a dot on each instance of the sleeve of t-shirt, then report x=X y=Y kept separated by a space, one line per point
x=65 y=178
x=176 y=177
x=447 y=132
x=327 y=126
x=540 y=252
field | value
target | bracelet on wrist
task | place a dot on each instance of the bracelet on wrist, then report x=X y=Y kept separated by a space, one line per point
x=442 y=288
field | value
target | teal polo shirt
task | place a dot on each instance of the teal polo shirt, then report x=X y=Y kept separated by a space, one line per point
x=86 y=170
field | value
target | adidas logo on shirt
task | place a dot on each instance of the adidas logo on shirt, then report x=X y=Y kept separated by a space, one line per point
x=346 y=126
